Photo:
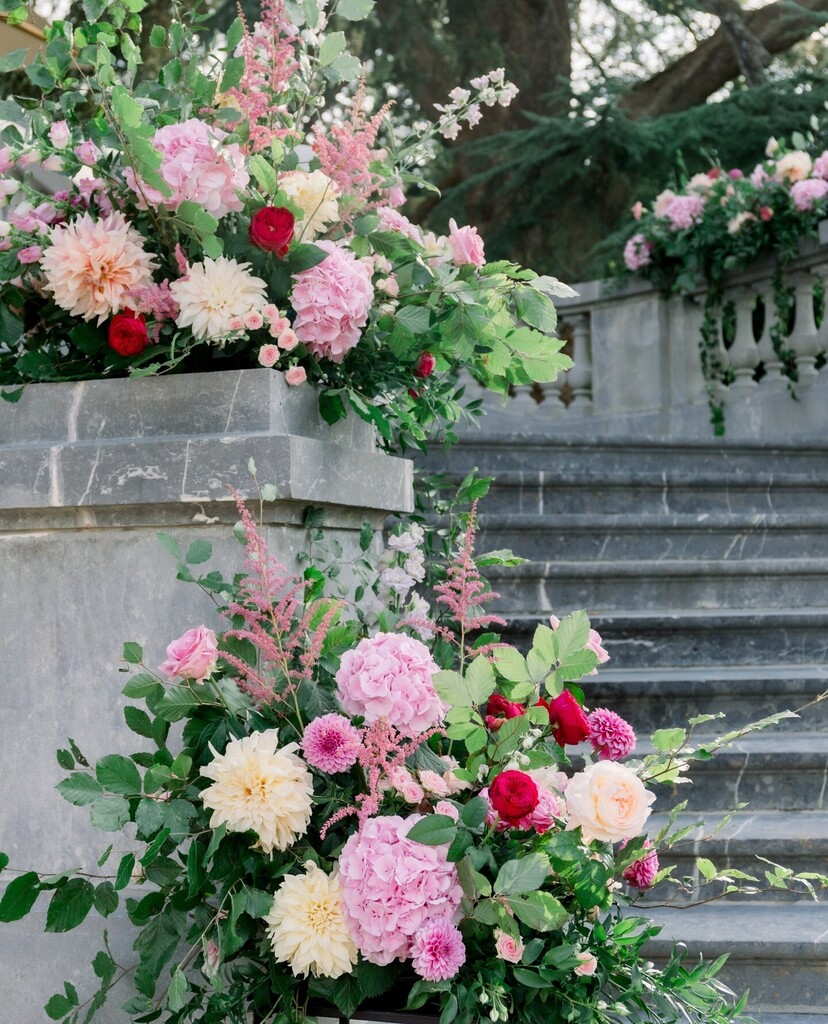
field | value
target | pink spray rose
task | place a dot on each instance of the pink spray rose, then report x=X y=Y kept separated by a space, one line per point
x=59 y=135
x=586 y=968
x=191 y=656
x=269 y=355
x=637 y=252
x=466 y=246
x=508 y=949
x=88 y=153
x=296 y=375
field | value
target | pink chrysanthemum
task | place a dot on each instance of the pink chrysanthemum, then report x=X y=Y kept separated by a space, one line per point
x=196 y=166
x=438 y=951
x=389 y=676
x=392 y=886
x=332 y=302
x=637 y=253
x=331 y=744
x=90 y=265
x=808 y=192
x=684 y=211
x=641 y=873
x=611 y=737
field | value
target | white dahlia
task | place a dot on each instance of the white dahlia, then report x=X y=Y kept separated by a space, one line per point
x=315 y=194
x=214 y=293
x=91 y=264
x=261 y=788
x=307 y=928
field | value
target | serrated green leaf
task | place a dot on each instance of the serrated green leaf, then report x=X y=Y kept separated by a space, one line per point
x=138 y=721
x=177 y=992
x=539 y=910
x=19 y=897
x=480 y=680
x=109 y=813
x=536 y=309
x=70 y=905
x=127 y=109
x=524 y=874
x=133 y=653
x=176 y=704
x=80 y=789
x=65 y=759
x=332 y=46
x=106 y=899
x=57 y=1007
x=668 y=740
x=199 y=551
x=511 y=664
x=158 y=36
x=170 y=545
x=118 y=774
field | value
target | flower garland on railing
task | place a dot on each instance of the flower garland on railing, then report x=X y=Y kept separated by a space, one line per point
x=224 y=216
x=722 y=221
x=352 y=809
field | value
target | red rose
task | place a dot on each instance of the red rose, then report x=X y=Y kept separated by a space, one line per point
x=513 y=795
x=271 y=229
x=498 y=710
x=714 y=173
x=568 y=719
x=128 y=333
x=425 y=366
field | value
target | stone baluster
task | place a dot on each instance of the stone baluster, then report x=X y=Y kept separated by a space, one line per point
x=767 y=354
x=743 y=354
x=804 y=339
x=553 y=406
x=821 y=272
x=579 y=377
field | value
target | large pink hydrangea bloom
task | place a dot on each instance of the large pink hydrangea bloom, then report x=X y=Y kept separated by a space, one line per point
x=332 y=302
x=389 y=676
x=637 y=253
x=807 y=193
x=684 y=211
x=197 y=166
x=392 y=886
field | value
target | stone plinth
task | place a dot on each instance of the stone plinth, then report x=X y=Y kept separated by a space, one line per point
x=89 y=474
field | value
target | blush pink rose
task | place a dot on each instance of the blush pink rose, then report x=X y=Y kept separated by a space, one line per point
x=191 y=656
x=466 y=246
x=296 y=375
x=508 y=949
x=269 y=355
x=59 y=135
x=586 y=968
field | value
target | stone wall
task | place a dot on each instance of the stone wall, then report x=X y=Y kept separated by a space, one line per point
x=89 y=473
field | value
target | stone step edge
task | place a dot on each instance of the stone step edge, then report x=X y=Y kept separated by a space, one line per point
x=640 y=568
x=674 y=479
x=689 y=618
x=773 y=830
x=626 y=522
x=635 y=443
x=751 y=677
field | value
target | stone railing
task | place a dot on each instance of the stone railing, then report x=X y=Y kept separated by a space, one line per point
x=638 y=369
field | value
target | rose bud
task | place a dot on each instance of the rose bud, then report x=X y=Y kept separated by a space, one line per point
x=128 y=333
x=425 y=366
x=271 y=229
x=498 y=710
x=513 y=795
x=568 y=719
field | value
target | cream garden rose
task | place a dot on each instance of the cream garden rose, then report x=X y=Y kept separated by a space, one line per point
x=794 y=166
x=608 y=801
x=315 y=194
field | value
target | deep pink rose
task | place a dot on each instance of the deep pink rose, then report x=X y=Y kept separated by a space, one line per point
x=513 y=795
x=498 y=710
x=568 y=719
x=191 y=656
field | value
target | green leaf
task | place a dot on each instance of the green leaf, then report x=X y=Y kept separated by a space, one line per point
x=511 y=665
x=577 y=665
x=199 y=551
x=235 y=34
x=176 y=704
x=87 y=338
x=264 y=174
x=4 y=861
x=19 y=897
x=480 y=680
x=415 y=318
x=125 y=869
x=79 y=789
x=133 y=653
x=233 y=72
x=331 y=407
x=149 y=817
x=355 y=10
x=332 y=46
x=546 y=643
x=433 y=830
x=127 y=109
x=158 y=36
x=536 y=309
x=142 y=685
x=13 y=60
x=118 y=774
x=70 y=905
x=304 y=257
x=169 y=544
x=668 y=739
x=106 y=899
x=58 y=1006
x=177 y=992
x=138 y=721
x=539 y=911
x=109 y=814
x=525 y=874
x=572 y=634
x=474 y=813
x=706 y=867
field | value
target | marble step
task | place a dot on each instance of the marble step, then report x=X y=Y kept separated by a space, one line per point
x=777 y=951
x=652 y=536
x=682 y=637
x=546 y=587
x=797 y=840
x=659 y=698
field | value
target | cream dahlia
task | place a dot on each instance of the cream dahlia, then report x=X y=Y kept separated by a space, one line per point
x=307 y=928
x=91 y=264
x=214 y=293
x=261 y=788
x=315 y=194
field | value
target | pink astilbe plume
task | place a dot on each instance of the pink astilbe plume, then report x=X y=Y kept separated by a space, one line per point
x=464 y=590
x=276 y=622
x=346 y=151
x=269 y=54
x=154 y=300
x=383 y=749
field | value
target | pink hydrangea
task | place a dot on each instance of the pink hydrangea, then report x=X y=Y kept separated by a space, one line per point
x=196 y=166
x=820 y=169
x=332 y=302
x=807 y=193
x=637 y=253
x=642 y=872
x=389 y=676
x=392 y=886
x=438 y=951
x=611 y=737
x=466 y=246
x=758 y=176
x=331 y=744
x=684 y=211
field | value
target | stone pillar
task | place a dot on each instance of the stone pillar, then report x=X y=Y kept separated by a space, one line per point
x=89 y=474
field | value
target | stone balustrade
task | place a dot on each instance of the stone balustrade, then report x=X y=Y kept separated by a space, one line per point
x=637 y=365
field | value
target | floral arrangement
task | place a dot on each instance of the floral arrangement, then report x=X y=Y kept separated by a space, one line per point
x=721 y=221
x=235 y=213
x=383 y=812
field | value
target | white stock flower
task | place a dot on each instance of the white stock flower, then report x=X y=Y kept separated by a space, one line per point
x=214 y=293
x=261 y=788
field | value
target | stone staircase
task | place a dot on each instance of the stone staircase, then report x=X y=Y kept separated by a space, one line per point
x=705 y=568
